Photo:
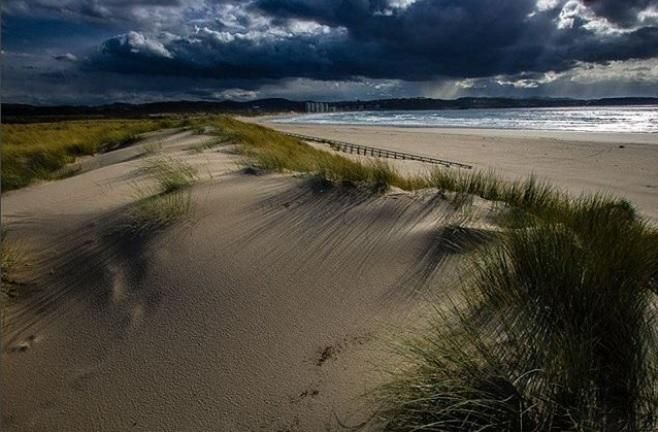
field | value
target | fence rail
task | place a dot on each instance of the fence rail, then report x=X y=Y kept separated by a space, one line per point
x=378 y=152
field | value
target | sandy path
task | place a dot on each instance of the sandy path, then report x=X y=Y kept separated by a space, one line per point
x=269 y=309
x=578 y=162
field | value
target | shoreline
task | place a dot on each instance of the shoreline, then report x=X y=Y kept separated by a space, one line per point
x=642 y=138
x=624 y=165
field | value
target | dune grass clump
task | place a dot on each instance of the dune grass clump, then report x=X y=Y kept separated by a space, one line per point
x=270 y=150
x=556 y=332
x=39 y=151
x=11 y=258
x=220 y=139
x=152 y=149
x=154 y=213
x=164 y=203
x=376 y=176
x=170 y=174
x=529 y=194
x=36 y=151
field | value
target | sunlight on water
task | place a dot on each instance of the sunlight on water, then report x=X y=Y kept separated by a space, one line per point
x=595 y=119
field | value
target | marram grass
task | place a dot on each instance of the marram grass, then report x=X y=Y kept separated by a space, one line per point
x=162 y=204
x=12 y=257
x=556 y=332
x=36 y=151
x=169 y=173
x=154 y=213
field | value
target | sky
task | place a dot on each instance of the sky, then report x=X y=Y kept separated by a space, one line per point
x=105 y=51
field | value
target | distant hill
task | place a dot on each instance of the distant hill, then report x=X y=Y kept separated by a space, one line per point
x=18 y=112
x=22 y=112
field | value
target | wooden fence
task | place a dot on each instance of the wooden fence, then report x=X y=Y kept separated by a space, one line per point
x=379 y=152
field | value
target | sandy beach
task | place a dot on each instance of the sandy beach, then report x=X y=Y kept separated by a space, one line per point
x=621 y=164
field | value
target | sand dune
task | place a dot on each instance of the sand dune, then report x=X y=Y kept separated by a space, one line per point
x=620 y=164
x=271 y=307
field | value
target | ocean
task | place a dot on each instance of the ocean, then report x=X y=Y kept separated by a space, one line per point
x=634 y=119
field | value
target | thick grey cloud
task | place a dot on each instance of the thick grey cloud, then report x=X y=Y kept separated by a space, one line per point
x=622 y=12
x=403 y=47
x=141 y=14
x=344 y=39
x=89 y=9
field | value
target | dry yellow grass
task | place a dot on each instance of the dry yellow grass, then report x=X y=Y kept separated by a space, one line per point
x=35 y=151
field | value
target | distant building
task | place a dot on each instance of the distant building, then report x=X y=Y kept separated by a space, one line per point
x=319 y=107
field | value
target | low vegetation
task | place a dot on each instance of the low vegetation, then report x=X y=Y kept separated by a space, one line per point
x=170 y=174
x=39 y=151
x=156 y=212
x=269 y=150
x=220 y=140
x=36 y=151
x=11 y=258
x=152 y=149
x=165 y=202
x=556 y=331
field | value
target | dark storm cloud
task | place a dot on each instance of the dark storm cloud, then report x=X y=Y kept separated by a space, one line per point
x=373 y=38
x=622 y=12
x=241 y=47
x=106 y=14
x=213 y=54
x=433 y=36
x=84 y=9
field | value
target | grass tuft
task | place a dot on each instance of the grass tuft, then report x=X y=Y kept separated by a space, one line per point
x=268 y=150
x=556 y=332
x=220 y=140
x=170 y=174
x=11 y=258
x=155 y=213
x=167 y=203
x=153 y=148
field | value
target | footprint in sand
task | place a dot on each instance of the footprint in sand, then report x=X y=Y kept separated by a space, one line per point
x=312 y=393
x=330 y=352
x=119 y=293
x=131 y=307
x=136 y=315
x=25 y=344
